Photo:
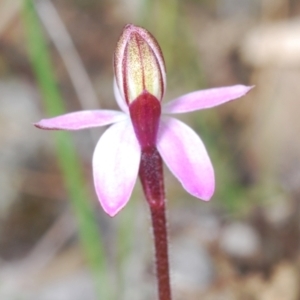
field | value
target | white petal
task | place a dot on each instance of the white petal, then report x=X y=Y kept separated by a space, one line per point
x=82 y=119
x=205 y=99
x=186 y=156
x=121 y=102
x=116 y=163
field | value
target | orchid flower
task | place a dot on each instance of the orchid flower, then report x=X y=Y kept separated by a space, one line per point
x=144 y=123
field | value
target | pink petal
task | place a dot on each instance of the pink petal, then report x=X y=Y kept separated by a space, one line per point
x=186 y=156
x=205 y=99
x=121 y=102
x=82 y=119
x=116 y=163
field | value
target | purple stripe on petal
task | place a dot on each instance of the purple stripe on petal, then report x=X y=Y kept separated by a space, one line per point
x=186 y=157
x=205 y=99
x=82 y=119
x=116 y=163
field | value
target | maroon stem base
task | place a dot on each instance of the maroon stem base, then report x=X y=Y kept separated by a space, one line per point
x=151 y=175
x=161 y=251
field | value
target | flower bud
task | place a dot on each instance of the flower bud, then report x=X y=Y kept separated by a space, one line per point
x=139 y=64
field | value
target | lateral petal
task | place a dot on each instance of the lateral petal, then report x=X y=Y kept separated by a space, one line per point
x=81 y=120
x=116 y=163
x=205 y=99
x=121 y=102
x=185 y=155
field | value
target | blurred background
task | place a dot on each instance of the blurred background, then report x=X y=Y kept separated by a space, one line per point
x=55 y=241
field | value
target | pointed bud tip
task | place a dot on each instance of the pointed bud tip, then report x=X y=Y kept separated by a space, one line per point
x=139 y=64
x=130 y=27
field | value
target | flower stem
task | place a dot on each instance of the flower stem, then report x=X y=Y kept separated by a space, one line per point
x=151 y=175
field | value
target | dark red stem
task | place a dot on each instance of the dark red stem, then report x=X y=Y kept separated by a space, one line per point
x=145 y=114
x=151 y=175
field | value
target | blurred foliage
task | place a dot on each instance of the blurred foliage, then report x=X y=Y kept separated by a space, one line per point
x=67 y=156
x=167 y=21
